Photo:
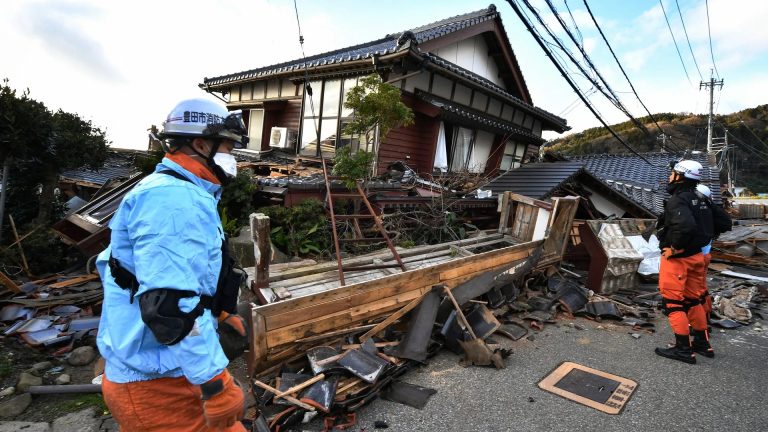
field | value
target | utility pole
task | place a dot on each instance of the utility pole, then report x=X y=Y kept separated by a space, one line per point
x=711 y=85
x=663 y=138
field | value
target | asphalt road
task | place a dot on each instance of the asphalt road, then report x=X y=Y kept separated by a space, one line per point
x=726 y=393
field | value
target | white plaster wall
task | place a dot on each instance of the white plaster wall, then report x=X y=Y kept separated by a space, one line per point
x=472 y=54
x=603 y=204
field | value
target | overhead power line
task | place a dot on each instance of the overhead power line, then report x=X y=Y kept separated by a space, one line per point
x=573 y=85
x=616 y=100
x=682 y=21
x=600 y=30
x=661 y=2
x=709 y=33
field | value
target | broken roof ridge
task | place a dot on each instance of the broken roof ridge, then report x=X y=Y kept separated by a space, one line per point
x=489 y=11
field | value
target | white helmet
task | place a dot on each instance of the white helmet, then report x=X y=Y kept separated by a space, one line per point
x=704 y=190
x=689 y=169
x=203 y=118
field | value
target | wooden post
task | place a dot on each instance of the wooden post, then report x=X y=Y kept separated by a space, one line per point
x=262 y=249
x=21 y=249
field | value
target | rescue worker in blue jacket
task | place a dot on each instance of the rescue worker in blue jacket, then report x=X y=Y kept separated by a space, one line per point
x=163 y=281
x=722 y=223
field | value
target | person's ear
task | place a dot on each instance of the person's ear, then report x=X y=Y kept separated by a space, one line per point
x=201 y=146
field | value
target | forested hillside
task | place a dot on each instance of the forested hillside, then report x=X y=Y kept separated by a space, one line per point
x=748 y=131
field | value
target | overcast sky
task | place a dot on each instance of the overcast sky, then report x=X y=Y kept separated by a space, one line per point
x=124 y=64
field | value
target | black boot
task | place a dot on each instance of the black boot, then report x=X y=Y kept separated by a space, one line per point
x=701 y=343
x=681 y=351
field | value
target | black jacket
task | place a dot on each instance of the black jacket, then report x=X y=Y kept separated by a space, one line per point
x=687 y=221
x=721 y=220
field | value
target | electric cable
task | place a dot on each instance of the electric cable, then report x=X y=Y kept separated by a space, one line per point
x=530 y=28
x=307 y=85
x=584 y=54
x=709 y=33
x=661 y=2
x=581 y=37
x=573 y=59
x=679 y=12
x=616 y=58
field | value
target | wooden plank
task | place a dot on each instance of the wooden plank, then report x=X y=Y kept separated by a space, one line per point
x=347 y=317
x=290 y=399
x=258 y=338
x=391 y=319
x=368 y=259
x=335 y=333
x=504 y=218
x=262 y=248
x=74 y=281
x=296 y=304
x=299 y=387
x=8 y=283
x=370 y=294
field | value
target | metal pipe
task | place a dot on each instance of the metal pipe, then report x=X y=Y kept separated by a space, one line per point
x=65 y=389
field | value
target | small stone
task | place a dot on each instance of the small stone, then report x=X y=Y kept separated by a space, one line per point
x=42 y=366
x=635 y=335
x=81 y=421
x=33 y=371
x=7 y=392
x=82 y=356
x=109 y=424
x=600 y=327
x=62 y=379
x=380 y=424
x=16 y=426
x=531 y=399
x=578 y=327
x=531 y=337
x=15 y=406
x=26 y=380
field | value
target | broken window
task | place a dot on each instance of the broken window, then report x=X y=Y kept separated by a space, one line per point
x=255 y=128
x=324 y=118
x=513 y=155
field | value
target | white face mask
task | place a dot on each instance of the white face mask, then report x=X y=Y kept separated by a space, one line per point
x=227 y=162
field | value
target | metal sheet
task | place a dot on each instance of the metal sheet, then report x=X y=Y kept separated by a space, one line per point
x=588 y=385
x=363 y=365
x=408 y=394
x=414 y=344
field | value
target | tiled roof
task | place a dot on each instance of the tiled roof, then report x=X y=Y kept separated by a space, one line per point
x=117 y=166
x=387 y=45
x=475 y=116
x=535 y=180
x=646 y=183
x=560 y=123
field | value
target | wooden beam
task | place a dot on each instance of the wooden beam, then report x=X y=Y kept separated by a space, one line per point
x=262 y=248
x=290 y=399
x=392 y=318
x=8 y=283
x=74 y=281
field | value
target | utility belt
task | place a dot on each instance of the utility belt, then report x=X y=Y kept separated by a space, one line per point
x=227 y=288
x=669 y=305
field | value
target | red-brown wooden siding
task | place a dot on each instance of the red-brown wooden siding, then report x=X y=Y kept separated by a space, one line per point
x=417 y=141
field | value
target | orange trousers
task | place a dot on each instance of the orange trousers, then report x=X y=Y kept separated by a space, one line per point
x=163 y=404
x=682 y=279
x=708 y=299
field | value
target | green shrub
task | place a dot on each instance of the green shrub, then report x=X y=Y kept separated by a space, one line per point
x=300 y=230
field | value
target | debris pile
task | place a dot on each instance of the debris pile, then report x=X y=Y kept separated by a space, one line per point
x=55 y=318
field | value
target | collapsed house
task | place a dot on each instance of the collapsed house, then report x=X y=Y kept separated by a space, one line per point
x=472 y=108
